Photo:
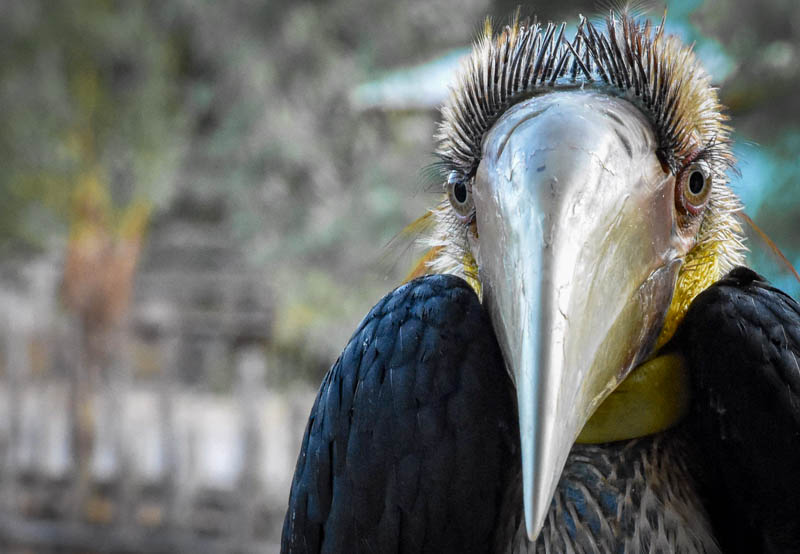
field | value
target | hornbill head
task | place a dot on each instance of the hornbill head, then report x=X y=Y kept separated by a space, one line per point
x=586 y=202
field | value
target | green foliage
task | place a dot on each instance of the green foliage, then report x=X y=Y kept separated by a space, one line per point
x=85 y=84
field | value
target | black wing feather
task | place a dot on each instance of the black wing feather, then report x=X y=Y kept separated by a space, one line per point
x=742 y=341
x=413 y=436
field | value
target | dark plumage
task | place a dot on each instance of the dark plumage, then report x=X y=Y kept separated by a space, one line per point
x=412 y=438
x=412 y=444
x=741 y=338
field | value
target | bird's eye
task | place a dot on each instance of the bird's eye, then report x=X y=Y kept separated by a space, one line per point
x=459 y=191
x=694 y=187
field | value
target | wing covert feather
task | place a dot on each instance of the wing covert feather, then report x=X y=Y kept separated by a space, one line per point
x=413 y=434
x=741 y=338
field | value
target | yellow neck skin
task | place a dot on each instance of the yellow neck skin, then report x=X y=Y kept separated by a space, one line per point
x=655 y=396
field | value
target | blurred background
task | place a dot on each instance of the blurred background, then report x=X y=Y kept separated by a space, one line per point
x=195 y=203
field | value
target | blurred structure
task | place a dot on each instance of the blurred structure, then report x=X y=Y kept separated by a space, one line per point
x=198 y=182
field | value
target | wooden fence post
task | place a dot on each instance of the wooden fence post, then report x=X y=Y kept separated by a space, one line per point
x=16 y=366
x=250 y=373
x=120 y=386
x=175 y=495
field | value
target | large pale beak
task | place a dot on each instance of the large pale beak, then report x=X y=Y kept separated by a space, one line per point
x=578 y=252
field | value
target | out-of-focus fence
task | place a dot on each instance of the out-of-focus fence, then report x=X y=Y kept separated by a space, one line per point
x=149 y=451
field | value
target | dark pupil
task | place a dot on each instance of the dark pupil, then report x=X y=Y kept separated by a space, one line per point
x=696 y=182
x=460 y=192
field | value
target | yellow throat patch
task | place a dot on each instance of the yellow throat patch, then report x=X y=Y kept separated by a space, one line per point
x=655 y=396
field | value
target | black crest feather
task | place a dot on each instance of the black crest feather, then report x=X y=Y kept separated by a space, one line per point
x=630 y=57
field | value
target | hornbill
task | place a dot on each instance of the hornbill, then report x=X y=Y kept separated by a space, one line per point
x=580 y=363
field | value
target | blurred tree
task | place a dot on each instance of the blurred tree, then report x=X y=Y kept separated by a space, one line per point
x=88 y=86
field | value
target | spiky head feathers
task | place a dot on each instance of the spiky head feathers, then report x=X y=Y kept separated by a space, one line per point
x=625 y=57
x=656 y=72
